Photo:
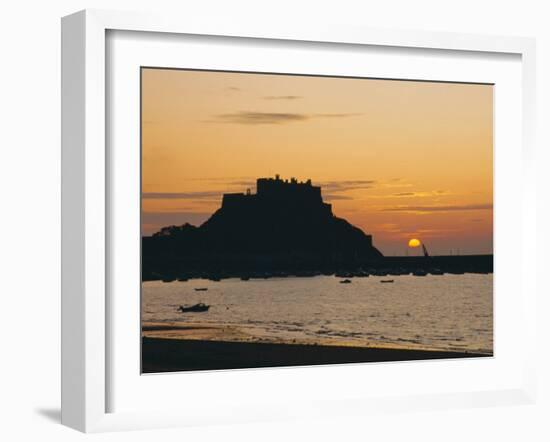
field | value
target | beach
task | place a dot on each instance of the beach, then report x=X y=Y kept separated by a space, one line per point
x=183 y=347
x=170 y=355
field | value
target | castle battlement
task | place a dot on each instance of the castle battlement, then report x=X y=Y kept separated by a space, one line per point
x=277 y=190
x=288 y=189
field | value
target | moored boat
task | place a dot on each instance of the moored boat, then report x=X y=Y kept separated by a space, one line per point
x=200 y=307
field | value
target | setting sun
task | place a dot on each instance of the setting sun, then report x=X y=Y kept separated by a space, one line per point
x=414 y=242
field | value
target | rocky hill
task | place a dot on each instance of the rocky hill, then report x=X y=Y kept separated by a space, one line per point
x=284 y=225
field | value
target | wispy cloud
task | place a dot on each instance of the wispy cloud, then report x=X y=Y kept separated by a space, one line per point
x=253 y=117
x=346 y=185
x=426 y=233
x=225 y=185
x=335 y=197
x=155 y=216
x=244 y=183
x=261 y=118
x=442 y=208
x=388 y=228
x=181 y=195
x=336 y=190
x=219 y=179
x=283 y=97
x=420 y=193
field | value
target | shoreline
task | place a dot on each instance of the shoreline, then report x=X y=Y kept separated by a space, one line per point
x=161 y=355
x=385 y=266
x=231 y=333
x=418 y=272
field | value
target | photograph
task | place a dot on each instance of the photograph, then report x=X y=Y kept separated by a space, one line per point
x=301 y=220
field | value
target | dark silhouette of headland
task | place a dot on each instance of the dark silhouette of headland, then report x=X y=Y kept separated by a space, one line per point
x=284 y=227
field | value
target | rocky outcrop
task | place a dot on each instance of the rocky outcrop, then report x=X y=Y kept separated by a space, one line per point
x=284 y=224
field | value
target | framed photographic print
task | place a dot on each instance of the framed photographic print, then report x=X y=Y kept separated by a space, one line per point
x=243 y=268
x=292 y=222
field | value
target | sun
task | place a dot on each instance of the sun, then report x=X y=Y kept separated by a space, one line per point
x=414 y=242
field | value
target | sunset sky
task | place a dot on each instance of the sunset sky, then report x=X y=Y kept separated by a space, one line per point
x=399 y=159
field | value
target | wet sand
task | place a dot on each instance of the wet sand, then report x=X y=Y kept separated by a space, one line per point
x=162 y=354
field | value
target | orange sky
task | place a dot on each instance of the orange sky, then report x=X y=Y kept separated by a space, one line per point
x=399 y=159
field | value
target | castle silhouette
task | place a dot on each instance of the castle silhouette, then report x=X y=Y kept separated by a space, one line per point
x=284 y=225
x=278 y=192
x=285 y=215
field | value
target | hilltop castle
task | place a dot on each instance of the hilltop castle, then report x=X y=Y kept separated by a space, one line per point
x=284 y=225
x=292 y=194
x=286 y=215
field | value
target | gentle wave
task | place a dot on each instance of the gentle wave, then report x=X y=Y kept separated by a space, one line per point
x=434 y=312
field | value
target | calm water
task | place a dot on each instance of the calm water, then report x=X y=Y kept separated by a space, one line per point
x=451 y=312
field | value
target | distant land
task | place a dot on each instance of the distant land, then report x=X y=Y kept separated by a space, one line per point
x=283 y=229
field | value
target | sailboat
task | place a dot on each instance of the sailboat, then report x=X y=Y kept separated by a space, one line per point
x=426 y=254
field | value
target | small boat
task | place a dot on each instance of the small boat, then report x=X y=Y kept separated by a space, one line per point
x=386 y=281
x=168 y=279
x=201 y=289
x=345 y=281
x=200 y=307
x=420 y=273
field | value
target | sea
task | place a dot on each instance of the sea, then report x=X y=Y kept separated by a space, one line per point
x=434 y=312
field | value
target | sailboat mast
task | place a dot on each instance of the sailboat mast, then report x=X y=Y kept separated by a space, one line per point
x=425 y=251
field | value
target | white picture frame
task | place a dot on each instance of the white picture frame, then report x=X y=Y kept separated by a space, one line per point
x=86 y=205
